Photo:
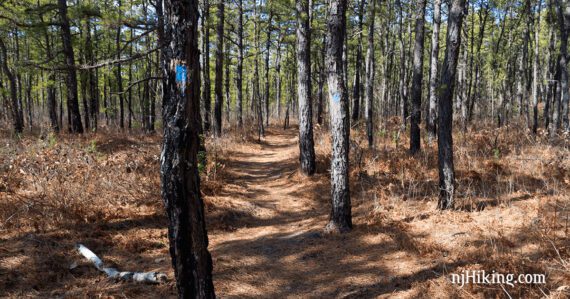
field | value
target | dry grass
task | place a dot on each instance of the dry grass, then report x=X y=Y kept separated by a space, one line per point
x=265 y=219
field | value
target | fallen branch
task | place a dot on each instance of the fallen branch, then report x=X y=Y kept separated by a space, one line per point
x=148 y=277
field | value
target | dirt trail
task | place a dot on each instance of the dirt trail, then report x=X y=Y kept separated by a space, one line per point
x=275 y=246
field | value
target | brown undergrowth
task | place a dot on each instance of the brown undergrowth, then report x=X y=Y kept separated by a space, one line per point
x=265 y=219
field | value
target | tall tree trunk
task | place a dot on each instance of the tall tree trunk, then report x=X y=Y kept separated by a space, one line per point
x=370 y=72
x=473 y=91
x=92 y=76
x=180 y=181
x=306 y=144
x=83 y=76
x=267 y=47
x=457 y=11
x=227 y=82
x=119 y=73
x=218 y=88
x=29 y=82
x=256 y=102
x=431 y=116
x=340 y=217
x=564 y=19
x=402 y=77
x=356 y=96
x=207 y=93
x=17 y=120
x=322 y=79
x=417 y=79
x=278 y=77
x=239 y=77
x=551 y=94
x=130 y=96
x=20 y=107
x=51 y=100
x=535 y=70
x=72 y=100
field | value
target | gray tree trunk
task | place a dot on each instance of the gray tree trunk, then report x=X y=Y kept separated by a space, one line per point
x=564 y=20
x=239 y=77
x=256 y=103
x=457 y=11
x=431 y=116
x=227 y=83
x=51 y=100
x=306 y=145
x=218 y=84
x=402 y=77
x=370 y=72
x=535 y=75
x=119 y=73
x=417 y=79
x=267 y=48
x=340 y=217
x=207 y=93
x=356 y=96
x=321 y=82
x=278 y=77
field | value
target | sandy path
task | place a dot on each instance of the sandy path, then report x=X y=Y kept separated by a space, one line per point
x=277 y=249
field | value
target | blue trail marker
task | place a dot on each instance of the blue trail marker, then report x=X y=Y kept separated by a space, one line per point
x=336 y=97
x=181 y=73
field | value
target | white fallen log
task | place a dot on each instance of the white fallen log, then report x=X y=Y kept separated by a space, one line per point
x=146 y=277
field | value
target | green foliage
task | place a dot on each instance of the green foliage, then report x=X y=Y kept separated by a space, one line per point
x=52 y=139
x=202 y=162
x=381 y=133
x=496 y=153
x=92 y=148
x=396 y=137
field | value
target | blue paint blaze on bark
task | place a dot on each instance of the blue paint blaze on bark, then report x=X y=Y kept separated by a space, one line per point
x=181 y=73
x=336 y=97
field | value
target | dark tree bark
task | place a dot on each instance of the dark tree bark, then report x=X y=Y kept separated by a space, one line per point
x=92 y=79
x=227 y=82
x=457 y=11
x=207 y=93
x=72 y=97
x=340 y=217
x=119 y=74
x=130 y=95
x=17 y=119
x=84 y=76
x=239 y=77
x=51 y=92
x=180 y=181
x=306 y=145
x=551 y=94
x=18 y=76
x=322 y=79
x=535 y=75
x=402 y=77
x=417 y=79
x=431 y=116
x=218 y=88
x=370 y=72
x=356 y=96
x=278 y=77
x=29 y=83
x=564 y=23
x=256 y=95
x=267 y=48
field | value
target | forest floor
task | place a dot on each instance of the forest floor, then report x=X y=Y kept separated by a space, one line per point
x=266 y=220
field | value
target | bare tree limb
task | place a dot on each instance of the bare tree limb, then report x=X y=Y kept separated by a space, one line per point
x=147 y=277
